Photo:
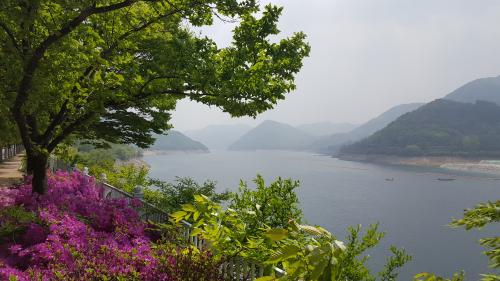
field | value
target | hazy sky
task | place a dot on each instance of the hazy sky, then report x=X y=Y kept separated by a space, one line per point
x=370 y=55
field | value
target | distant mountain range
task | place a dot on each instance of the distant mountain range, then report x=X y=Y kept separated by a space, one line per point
x=232 y=136
x=309 y=137
x=465 y=123
x=326 y=128
x=219 y=136
x=273 y=135
x=331 y=144
x=403 y=129
x=176 y=141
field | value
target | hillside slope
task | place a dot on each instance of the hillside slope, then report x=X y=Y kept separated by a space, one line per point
x=176 y=141
x=326 y=128
x=331 y=144
x=218 y=136
x=273 y=135
x=485 y=89
x=440 y=128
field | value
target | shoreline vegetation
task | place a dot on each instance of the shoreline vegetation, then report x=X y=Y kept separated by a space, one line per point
x=452 y=163
x=155 y=152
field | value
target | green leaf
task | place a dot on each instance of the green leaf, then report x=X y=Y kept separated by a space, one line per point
x=196 y=215
x=195 y=232
x=310 y=230
x=277 y=234
x=179 y=215
x=201 y=198
x=266 y=278
x=188 y=208
x=284 y=253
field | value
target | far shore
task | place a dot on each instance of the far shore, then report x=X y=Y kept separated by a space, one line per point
x=473 y=165
x=151 y=152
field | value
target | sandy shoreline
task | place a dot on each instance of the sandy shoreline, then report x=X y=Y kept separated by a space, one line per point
x=473 y=165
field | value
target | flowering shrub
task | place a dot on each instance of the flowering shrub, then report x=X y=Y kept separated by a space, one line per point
x=74 y=234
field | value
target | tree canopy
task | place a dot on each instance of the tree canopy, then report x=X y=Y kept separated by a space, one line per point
x=114 y=69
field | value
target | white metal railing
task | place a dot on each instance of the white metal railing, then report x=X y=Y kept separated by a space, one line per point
x=9 y=151
x=234 y=269
x=56 y=164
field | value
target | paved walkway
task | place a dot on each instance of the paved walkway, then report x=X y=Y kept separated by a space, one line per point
x=9 y=171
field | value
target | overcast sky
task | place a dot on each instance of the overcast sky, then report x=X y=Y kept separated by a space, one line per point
x=370 y=55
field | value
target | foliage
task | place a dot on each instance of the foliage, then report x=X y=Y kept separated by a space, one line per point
x=126 y=177
x=14 y=220
x=239 y=229
x=77 y=235
x=90 y=155
x=189 y=264
x=171 y=196
x=98 y=157
x=304 y=252
x=439 y=128
x=307 y=253
x=432 y=277
x=165 y=195
x=9 y=133
x=478 y=217
x=114 y=70
x=398 y=259
x=272 y=206
x=225 y=231
x=313 y=253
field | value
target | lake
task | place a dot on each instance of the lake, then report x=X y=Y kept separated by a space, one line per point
x=414 y=209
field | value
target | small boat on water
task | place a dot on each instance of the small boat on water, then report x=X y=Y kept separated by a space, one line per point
x=446 y=179
x=389 y=179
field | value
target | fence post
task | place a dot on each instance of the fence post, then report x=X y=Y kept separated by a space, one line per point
x=86 y=175
x=103 y=178
x=138 y=193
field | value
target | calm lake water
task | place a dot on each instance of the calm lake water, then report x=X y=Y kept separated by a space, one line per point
x=413 y=209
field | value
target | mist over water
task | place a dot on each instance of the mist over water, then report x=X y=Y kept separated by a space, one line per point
x=414 y=209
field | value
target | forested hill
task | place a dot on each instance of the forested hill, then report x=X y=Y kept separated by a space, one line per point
x=485 y=89
x=332 y=143
x=176 y=141
x=442 y=127
x=219 y=136
x=273 y=135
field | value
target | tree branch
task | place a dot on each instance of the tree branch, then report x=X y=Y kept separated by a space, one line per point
x=11 y=35
x=58 y=120
x=33 y=124
x=68 y=130
x=141 y=90
x=172 y=92
x=39 y=52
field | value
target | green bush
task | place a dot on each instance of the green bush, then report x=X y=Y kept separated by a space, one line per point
x=14 y=220
x=304 y=252
x=272 y=206
x=171 y=196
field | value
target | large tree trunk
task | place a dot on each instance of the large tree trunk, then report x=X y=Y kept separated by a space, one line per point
x=29 y=164
x=37 y=164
